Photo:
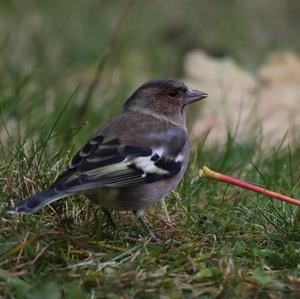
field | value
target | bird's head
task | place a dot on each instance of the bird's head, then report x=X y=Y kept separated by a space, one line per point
x=168 y=97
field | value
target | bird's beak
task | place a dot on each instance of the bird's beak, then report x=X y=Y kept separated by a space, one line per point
x=194 y=96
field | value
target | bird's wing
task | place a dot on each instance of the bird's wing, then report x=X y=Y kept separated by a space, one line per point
x=111 y=162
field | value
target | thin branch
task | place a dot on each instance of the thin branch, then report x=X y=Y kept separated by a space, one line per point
x=102 y=61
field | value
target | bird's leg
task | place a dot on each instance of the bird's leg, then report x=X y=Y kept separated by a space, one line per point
x=109 y=220
x=140 y=217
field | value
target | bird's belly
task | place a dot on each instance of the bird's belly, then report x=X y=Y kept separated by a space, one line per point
x=133 y=198
x=128 y=199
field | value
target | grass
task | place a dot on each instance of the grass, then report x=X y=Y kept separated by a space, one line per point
x=223 y=242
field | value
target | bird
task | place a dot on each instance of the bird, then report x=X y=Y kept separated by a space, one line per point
x=134 y=160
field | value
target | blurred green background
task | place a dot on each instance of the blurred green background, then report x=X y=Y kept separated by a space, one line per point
x=49 y=49
x=54 y=37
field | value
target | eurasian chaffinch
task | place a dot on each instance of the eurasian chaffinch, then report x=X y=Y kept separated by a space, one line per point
x=135 y=160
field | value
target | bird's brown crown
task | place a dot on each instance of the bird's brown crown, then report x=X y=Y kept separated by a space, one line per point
x=164 y=83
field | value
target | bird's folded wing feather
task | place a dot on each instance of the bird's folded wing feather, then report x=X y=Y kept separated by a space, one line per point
x=109 y=162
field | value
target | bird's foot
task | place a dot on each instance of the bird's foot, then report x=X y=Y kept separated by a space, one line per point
x=153 y=237
x=140 y=217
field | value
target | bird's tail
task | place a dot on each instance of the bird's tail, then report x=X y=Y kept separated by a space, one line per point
x=37 y=201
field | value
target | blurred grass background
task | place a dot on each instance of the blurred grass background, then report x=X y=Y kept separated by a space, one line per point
x=48 y=55
x=47 y=49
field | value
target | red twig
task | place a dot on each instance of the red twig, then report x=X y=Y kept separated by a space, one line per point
x=208 y=173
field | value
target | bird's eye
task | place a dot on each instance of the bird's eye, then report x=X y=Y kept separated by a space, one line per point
x=173 y=93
